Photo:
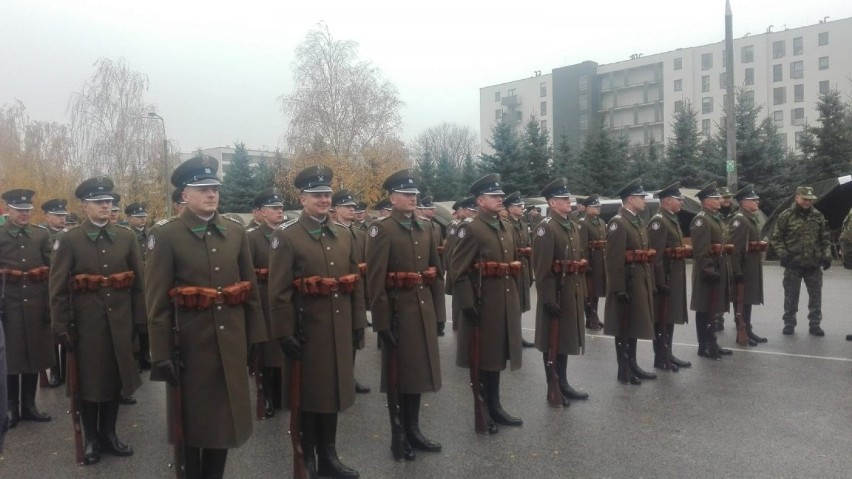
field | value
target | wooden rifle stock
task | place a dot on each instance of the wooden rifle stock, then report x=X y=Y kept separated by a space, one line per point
x=480 y=415
x=72 y=376
x=176 y=396
x=554 y=395
x=257 y=372
x=663 y=329
x=299 y=471
x=742 y=335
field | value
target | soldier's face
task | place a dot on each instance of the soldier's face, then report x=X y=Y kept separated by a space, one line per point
x=201 y=200
x=113 y=216
x=55 y=221
x=804 y=203
x=360 y=216
x=673 y=205
x=137 y=221
x=562 y=206
x=490 y=203
x=593 y=211
x=635 y=203
x=726 y=201
x=346 y=213
x=316 y=204
x=405 y=202
x=97 y=211
x=750 y=205
x=427 y=212
x=712 y=204
x=19 y=217
x=516 y=211
x=273 y=215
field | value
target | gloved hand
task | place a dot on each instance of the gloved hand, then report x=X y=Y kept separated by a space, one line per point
x=472 y=316
x=291 y=347
x=712 y=276
x=623 y=296
x=165 y=370
x=739 y=278
x=66 y=342
x=785 y=261
x=388 y=339
x=589 y=271
x=826 y=263
x=357 y=337
x=663 y=290
x=553 y=310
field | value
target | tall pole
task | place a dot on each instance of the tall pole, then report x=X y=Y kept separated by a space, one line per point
x=168 y=195
x=730 y=103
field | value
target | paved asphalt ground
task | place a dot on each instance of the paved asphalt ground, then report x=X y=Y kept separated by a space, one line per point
x=779 y=410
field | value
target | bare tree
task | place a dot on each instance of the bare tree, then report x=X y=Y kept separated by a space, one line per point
x=340 y=104
x=447 y=140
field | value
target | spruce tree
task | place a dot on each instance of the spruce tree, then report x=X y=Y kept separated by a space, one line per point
x=603 y=161
x=470 y=173
x=238 y=187
x=507 y=159
x=536 y=152
x=446 y=179
x=426 y=170
x=683 y=149
x=826 y=148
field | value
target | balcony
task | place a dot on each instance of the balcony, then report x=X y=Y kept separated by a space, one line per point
x=512 y=101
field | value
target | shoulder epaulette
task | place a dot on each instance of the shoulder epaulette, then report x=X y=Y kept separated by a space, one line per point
x=382 y=218
x=658 y=215
x=287 y=224
x=68 y=228
x=42 y=227
x=234 y=220
x=616 y=217
x=165 y=220
x=123 y=227
x=252 y=229
x=700 y=213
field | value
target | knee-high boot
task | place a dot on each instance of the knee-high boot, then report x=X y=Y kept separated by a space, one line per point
x=213 y=463
x=492 y=400
x=412 y=425
x=309 y=427
x=328 y=464
x=565 y=388
x=192 y=467
x=268 y=381
x=89 y=420
x=108 y=440
x=13 y=394
x=54 y=374
x=625 y=375
x=674 y=360
x=634 y=366
x=29 y=411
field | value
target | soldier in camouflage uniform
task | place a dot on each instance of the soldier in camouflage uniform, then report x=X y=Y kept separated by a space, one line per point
x=802 y=243
x=727 y=210
x=55 y=215
x=846 y=247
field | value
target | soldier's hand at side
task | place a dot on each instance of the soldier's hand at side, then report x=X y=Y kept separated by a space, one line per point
x=826 y=263
x=472 y=316
x=623 y=296
x=663 y=290
x=357 y=337
x=388 y=339
x=785 y=261
x=553 y=310
x=292 y=348
x=590 y=271
x=712 y=276
x=165 y=370
x=739 y=278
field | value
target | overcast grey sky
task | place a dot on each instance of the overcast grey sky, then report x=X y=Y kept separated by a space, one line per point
x=217 y=68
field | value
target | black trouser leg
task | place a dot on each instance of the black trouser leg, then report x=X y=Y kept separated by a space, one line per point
x=328 y=464
x=268 y=381
x=675 y=361
x=29 y=411
x=144 y=351
x=747 y=318
x=54 y=374
x=193 y=463
x=89 y=421
x=412 y=425
x=309 y=428
x=213 y=463
x=13 y=394
x=562 y=371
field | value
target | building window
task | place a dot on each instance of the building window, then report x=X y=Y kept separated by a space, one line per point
x=544 y=126
x=678 y=63
x=748 y=54
x=705 y=83
x=723 y=80
x=798 y=117
x=583 y=102
x=705 y=127
x=511 y=92
x=783 y=140
x=543 y=110
x=823 y=63
x=707 y=104
x=779 y=96
x=778 y=118
x=823 y=87
x=799 y=93
x=498 y=114
x=706 y=61
x=797 y=70
x=779 y=49
x=496 y=96
x=583 y=82
x=678 y=105
x=678 y=85
x=798 y=46
x=798 y=138
x=823 y=39
x=777 y=73
x=749 y=76
x=584 y=121
x=748 y=98
x=543 y=90
x=519 y=115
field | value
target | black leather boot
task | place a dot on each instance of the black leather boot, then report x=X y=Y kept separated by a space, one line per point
x=491 y=426
x=400 y=447
x=625 y=375
x=412 y=425
x=495 y=409
x=29 y=411
x=268 y=381
x=565 y=402
x=192 y=466
x=706 y=330
x=213 y=463
x=329 y=464
x=144 y=352
x=662 y=360
x=677 y=362
x=634 y=366
x=441 y=328
x=89 y=421
x=309 y=426
x=13 y=413
x=108 y=440
x=753 y=337
x=54 y=374
x=562 y=370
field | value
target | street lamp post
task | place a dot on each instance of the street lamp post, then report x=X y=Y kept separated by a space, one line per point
x=168 y=196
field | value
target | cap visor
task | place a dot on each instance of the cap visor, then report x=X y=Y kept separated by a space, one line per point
x=406 y=190
x=318 y=189
x=277 y=203
x=21 y=206
x=205 y=182
x=495 y=193
x=100 y=198
x=346 y=203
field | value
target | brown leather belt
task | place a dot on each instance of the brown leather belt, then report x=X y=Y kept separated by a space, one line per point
x=440 y=249
x=202 y=298
x=719 y=249
x=757 y=246
x=34 y=275
x=408 y=280
x=362 y=269
x=93 y=282
x=262 y=275
x=639 y=256
x=570 y=266
x=525 y=252
x=320 y=286
x=597 y=244
x=494 y=269
x=678 y=252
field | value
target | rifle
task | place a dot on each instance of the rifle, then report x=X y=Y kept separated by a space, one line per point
x=397 y=433
x=742 y=336
x=73 y=379
x=480 y=415
x=299 y=469
x=257 y=372
x=624 y=326
x=663 y=327
x=177 y=401
x=554 y=395
x=711 y=313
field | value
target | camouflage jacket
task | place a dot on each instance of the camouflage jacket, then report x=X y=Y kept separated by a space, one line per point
x=846 y=241
x=802 y=237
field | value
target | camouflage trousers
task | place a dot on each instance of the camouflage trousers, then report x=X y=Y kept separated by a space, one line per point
x=793 y=285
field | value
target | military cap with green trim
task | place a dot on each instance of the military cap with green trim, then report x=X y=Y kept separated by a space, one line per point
x=426 y=203
x=95 y=189
x=19 y=199
x=557 y=188
x=343 y=198
x=747 y=193
x=55 y=206
x=671 y=191
x=136 y=209
x=634 y=188
x=513 y=199
x=402 y=181
x=197 y=171
x=708 y=191
x=314 y=179
x=591 y=200
x=487 y=185
x=267 y=197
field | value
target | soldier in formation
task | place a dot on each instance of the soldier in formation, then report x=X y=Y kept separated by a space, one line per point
x=593 y=237
x=462 y=209
x=137 y=220
x=55 y=216
x=746 y=259
x=426 y=212
x=96 y=302
x=513 y=205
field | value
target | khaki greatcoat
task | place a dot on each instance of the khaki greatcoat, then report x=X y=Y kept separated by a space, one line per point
x=557 y=238
x=26 y=320
x=487 y=238
x=303 y=248
x=259 y=238
x=401 y=244
x=626 y=231
x=664 y=232
x=524 y=280
x=743 y=228
x=187 y=251
x=706 y=229
x=104 y=318
x=594 y=229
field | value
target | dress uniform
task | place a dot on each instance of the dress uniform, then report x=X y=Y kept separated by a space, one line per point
x=666 y=238
x=115 y=209
x=56 y=214
x=710 y=272
x=403 y=273
x=96 y=298
x=260 y=237
x=559 y=260
x=514 y=205
x=746 y=260
x=482 y=272
x=137 y=216
x=24 y=266
x=314 y=287
x=465 y=208
x=426 y=211
x=630 y=283
x=200 y=281
x=593 y=236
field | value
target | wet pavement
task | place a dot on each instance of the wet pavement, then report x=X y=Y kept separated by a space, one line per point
x=781 y=409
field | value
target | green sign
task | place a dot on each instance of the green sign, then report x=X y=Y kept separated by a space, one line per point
x=729 y=166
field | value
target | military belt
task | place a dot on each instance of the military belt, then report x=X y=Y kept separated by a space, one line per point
x=678 y=252
x=639 y=256
x=408 y=280
x=262 y=275
x=82 y=283
x=525 y=252
x=320 y=286
x=719 y=249
x=570 y=266
x=201 y=298
x=34 y=275
x=757 y=246
x=494 y=269
x=597 y=244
